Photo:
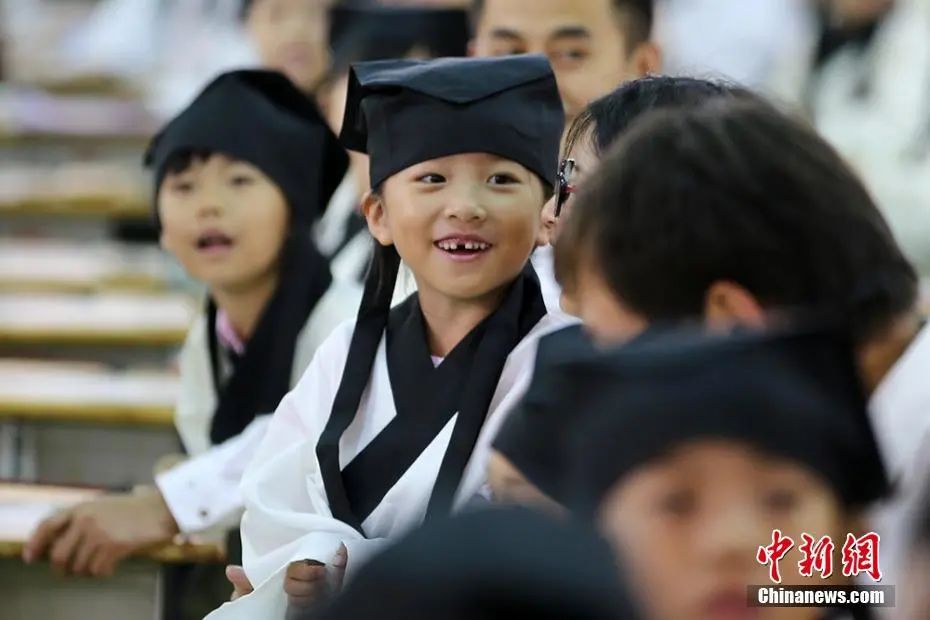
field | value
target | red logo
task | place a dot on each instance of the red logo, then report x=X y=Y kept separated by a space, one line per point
x=860 y=555
x=817 y=556
x=773 y=553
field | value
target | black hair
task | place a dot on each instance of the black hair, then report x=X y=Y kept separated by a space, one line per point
x=182 y=160
x=636 y=18
x=606 y=119
x=736 y=191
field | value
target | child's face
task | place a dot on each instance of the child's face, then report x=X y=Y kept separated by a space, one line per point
x=510 y=486
x=225 y=221
x=584 y=41
x=586 y=160
x=464 y=224
x=604 y=316
x=690 y=525
x=290 y=36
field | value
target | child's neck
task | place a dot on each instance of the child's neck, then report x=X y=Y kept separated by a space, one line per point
x=244 y=305
x=449 y=320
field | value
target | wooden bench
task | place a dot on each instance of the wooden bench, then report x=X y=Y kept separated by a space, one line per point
x=84 y=423
x=110 y=320
x=35 y=591
x=53 y=266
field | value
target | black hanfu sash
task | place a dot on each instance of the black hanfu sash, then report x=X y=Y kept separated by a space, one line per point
x=262 y=375
x=425 y=397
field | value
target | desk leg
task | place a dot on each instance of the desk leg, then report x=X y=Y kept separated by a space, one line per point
x=159 y=594
x=9 y=450
x=28 y=453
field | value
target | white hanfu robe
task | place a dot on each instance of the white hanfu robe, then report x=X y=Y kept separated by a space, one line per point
x=287 y=513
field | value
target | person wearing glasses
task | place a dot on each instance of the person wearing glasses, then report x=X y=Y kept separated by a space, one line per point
x=590 y=134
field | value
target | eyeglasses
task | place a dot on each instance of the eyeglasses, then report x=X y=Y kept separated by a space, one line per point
x=566 y=189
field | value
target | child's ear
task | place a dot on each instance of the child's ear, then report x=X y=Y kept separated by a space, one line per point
x=728 y=304
x=377 y=218
x=546 y=235
x=646 y=59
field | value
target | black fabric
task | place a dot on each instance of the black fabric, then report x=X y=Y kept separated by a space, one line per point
x=261 y=118
x=796 y=395
x=533 y=437
x=425 y=397
x=262 y=376
x=507 y=106
x=366 y=337
x=382 y=32
x=498 y=564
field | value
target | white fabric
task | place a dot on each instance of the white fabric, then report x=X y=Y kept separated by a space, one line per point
x=343 y=203
x=543 y=260
x=751 y=42
x=203 y=491
x=885 y=133
x=287 y=515
x=900 y=409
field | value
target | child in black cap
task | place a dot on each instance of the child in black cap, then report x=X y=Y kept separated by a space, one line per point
x=495 y=564
x=691 y=452
x=392 y=422
x=240 y=176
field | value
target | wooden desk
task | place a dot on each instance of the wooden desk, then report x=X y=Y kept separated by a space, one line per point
x=79 y=188
x=30 y=592
x=41 y=265
x=85 y=207
x=84 y=423
x=113 y=319
x=85 y=393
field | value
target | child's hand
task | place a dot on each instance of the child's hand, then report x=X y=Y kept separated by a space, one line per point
x=241 y=584
x=305 y=581
x=94 y=537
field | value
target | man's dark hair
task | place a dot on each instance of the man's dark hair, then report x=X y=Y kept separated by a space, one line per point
x=636 y=18
x=606 y=119
x=736 y=191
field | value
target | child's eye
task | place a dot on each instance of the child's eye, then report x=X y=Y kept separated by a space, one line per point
x=503 y=178
x=181 y=187
x=242 y=180
x=780 y=500
x=431 y=179
x=679 y=503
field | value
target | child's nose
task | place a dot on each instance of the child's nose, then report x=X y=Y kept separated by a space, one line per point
x=732 y=536
x=466 y=207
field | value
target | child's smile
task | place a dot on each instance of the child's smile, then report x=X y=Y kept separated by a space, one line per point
x=463 y=248
x=214 y=243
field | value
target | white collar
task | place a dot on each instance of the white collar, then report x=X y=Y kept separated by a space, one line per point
x=900 y=410
x=331 y=226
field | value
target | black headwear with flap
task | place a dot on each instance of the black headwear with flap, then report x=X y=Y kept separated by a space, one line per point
x=261 y=118
x=376 y=32
x=506 y=106
x=497 y=564
x=403 y=112
x=792 y=394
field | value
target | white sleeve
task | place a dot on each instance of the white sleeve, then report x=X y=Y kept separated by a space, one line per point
x=204 y=491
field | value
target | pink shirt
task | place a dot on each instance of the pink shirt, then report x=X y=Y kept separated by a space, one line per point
x=226 y=334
